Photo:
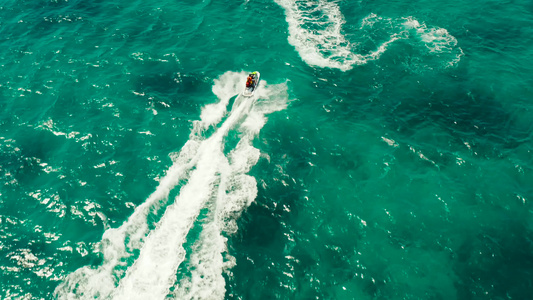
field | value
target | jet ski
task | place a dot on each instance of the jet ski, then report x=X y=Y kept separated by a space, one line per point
x=252 y=86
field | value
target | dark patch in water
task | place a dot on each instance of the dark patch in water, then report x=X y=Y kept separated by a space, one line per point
x=468 y=115
x=498 y=262
x=172 y=88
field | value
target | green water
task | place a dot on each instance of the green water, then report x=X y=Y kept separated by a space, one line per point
x=387 y=153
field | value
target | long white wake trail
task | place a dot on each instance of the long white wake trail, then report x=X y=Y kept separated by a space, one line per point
x=215 y=182
x=236 y=191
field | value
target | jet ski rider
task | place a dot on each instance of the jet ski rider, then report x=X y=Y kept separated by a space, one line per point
x=250 y=80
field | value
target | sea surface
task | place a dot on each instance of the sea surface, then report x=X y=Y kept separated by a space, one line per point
x=387 y=153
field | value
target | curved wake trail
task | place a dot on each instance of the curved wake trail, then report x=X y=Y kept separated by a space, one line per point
x=215 y=183
x=315 y=31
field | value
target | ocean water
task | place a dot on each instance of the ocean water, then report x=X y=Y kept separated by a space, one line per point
x=387 y=153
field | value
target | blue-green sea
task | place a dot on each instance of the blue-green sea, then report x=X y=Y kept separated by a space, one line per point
x=387 y=152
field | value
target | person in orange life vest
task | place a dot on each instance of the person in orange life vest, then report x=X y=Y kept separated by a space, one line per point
x=249 y=81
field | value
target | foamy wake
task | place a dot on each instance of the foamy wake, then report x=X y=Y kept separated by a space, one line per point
x=315 y=31
x=144 y=263
x=438 y=41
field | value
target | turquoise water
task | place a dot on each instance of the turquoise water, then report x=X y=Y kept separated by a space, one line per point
x=387 y=153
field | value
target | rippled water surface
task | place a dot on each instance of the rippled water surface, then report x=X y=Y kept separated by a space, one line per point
x=387 y=153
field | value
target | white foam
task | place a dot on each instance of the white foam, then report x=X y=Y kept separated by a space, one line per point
x=370 y=20
x=88 y=283
x=315 y=31
x=207 y=262
x=118 y=244
x=153 y=274
x=206 y=280
x=382 y=48
x=235 y=192
x=215 y=182
x=225 y=87
x=176 y=224
x=150 y=277
x=437 y=40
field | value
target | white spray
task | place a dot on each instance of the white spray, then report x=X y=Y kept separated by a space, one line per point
x=215 y=183
x=315 y=31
